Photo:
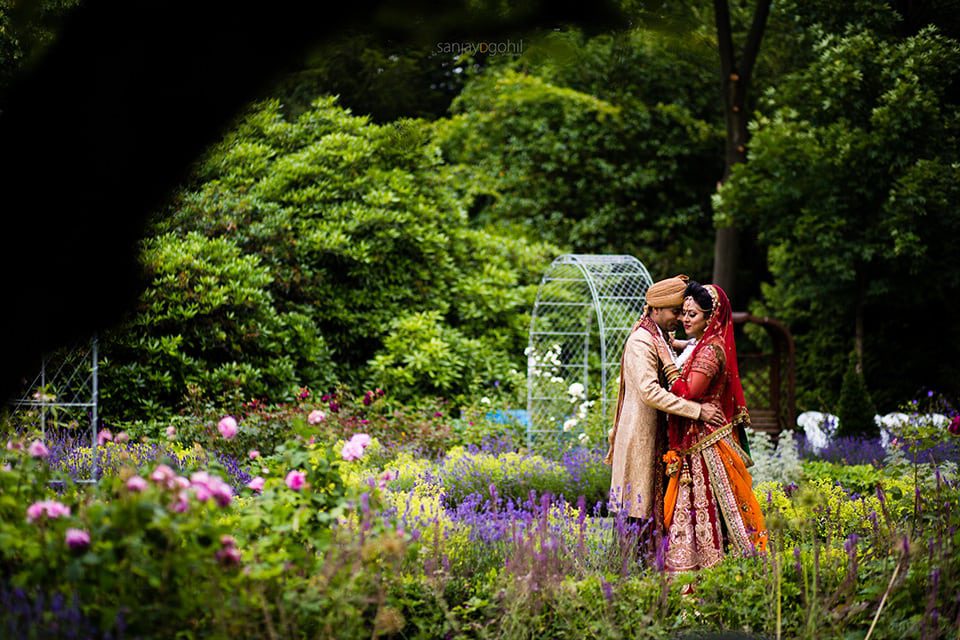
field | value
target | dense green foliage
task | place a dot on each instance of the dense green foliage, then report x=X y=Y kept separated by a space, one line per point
x=855 y=407
x=600 y=146
x=208 y=320
x=325 y=240
x=852 y=178
x=26 y=29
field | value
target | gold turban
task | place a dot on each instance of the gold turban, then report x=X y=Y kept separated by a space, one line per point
x=667 y=293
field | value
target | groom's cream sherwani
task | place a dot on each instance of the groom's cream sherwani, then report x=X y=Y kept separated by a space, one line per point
x=634 y=441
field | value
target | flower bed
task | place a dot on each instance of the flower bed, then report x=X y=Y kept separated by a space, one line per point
x=331 y=533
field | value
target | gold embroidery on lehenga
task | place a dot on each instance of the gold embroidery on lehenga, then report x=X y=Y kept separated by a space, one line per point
x=709 y=542
x=681 y=536
x=694 y=540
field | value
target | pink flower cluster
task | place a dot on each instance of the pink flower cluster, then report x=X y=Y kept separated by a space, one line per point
x=296 y=480
x=354 y=447
x=228 y=554
x=316 y=416
x=256 y=484
x=47 y=509
x=77 y=539
x=203 y=485
x=136 y=484
x=104 y=436
x=206 y=486
x=385 y=478
x=37 y=449
x=227 y=427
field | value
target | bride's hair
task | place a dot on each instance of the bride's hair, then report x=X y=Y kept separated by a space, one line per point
x=701 y=296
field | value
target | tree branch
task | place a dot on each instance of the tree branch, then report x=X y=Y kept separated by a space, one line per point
x=721 y=12
x=752 y=46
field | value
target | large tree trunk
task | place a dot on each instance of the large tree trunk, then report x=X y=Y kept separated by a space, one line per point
x=736 y=82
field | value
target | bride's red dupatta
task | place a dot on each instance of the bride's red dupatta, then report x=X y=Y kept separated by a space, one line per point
x=719 y=333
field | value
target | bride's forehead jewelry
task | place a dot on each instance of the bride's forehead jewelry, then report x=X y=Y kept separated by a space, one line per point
x=691 y=299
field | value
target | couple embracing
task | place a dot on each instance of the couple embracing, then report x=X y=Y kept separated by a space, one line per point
x=678 y=445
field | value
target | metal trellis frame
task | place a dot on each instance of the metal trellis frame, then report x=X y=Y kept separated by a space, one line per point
x=61 y=401
x=586 y=306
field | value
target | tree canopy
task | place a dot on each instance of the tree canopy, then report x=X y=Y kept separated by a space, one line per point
x=852 y=179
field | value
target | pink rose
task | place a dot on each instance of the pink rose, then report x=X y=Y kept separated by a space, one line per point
x=351 y=451
x=182 y=503
x=296 y=480
x=47 y=508
x=354 y=447
x=122 y=437
x=104 y=436
x=228 y=556
x=38 y=450
x=171 y=432
x=162 y=474
x=136 y=484
x=256 y=484
x=316 y=416
x=362 y=439
x=206 y=486
x=254 y=454
x=77 y=539
x=227 y=427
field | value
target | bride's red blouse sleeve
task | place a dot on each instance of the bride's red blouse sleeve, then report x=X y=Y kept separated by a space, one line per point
x=704 y=367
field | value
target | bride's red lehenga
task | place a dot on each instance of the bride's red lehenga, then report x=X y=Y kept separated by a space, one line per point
x=709 y=497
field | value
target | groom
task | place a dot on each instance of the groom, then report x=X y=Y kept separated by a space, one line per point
x=638 y=437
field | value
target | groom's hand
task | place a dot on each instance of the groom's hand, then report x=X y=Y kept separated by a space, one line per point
x=712 y=415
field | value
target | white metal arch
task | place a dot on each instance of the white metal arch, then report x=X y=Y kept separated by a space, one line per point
x=564 y=349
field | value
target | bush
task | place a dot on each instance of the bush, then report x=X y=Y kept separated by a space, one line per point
x=856 y=410
x=207 y=326
x=360 y=232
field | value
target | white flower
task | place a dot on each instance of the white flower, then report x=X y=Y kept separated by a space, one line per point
x=582 y=438
x=528 y=351
x=484 y=400
x=569 y=424
x=576 y=390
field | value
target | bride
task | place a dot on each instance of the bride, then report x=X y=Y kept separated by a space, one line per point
x=709 y=499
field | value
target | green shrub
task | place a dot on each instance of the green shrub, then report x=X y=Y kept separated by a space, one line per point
x=861 y=478
x=856 y=410
x=362 y=233
x=207 y=325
